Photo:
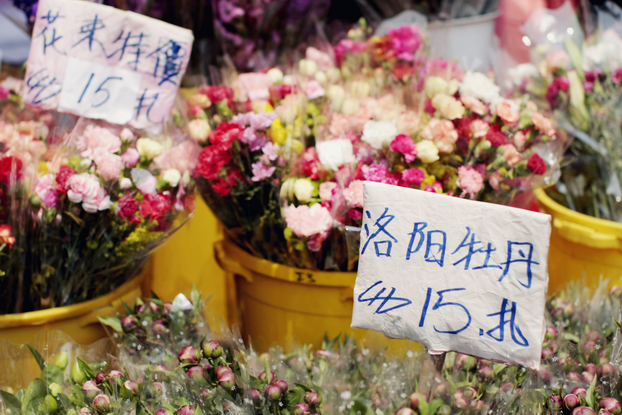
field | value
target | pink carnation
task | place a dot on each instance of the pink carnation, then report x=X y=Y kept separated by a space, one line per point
x=543 y=124
x=97 y=137
x=261 y=171
x=314 y=90
x=376 y=173
x=442 y=132
x=326 y=191
x=108 y=165
x=469 y=180
x=307 y=221
x=346 y=46
x=508 y=114
x=354 y=194
x=323 y=60
x=46 y=190
x=86 y=188
x=130 y=157
x=254 y=86
x=406 y=40
x=511 y=156
x=413 y=177
x=183 y=157
x=479 y=128
x=474 y=104
x=405 y=145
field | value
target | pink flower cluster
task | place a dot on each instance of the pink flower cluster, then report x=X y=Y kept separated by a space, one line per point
x=85 y=188
x=406 y=41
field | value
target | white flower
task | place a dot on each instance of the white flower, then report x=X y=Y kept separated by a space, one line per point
x=478 y=85
x=333 y=75
x=427 y=151
x=276 y=75
x=307 y=67
x=360 y=89
x=336 y=94
x=172 y=177
x=376 y=133
x=125 y=183
x=437 y=85
x=448 y=106
x=303 y=189
x=350 y=106
x=321 y=78
x=522 y=71
x=149 y=148
x=199 y=130
x=335 y=153
x=287 y=189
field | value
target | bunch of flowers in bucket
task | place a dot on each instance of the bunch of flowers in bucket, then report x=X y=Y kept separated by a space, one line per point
x=584 y=91
x=285 y=156
x=82 y=210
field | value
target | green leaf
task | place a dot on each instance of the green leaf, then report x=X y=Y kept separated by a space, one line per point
x=127 y=308
x=38 y=357
x=52 y=374
x=112 y=322
x=34 y=396
x=303 y=387
x=11 y=402
x=423 y=407
x=86 y=369
x=361 y=407
x=617 y=323
x=498 y=368
x=154 y=295
x=571 y=337
x=294 y=397
x=434 y=405
x=590 y=398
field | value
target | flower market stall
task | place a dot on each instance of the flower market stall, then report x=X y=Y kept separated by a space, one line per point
x=383 y=227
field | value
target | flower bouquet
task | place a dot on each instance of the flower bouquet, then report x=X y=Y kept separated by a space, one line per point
x=83 y=203
x=584 y=92
x=285 y=157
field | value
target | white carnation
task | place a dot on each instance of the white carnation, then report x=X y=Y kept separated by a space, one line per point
x=303 y=189
x=335 y=153
x=427 y=151
x=172 y=177
x=478 y=85
x=376 y=133
x=149 y=148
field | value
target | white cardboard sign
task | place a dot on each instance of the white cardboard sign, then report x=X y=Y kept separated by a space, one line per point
x=100 y=62
x=453 y=274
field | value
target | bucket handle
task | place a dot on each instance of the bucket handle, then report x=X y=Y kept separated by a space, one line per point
x=228 y=265
x=585 y=235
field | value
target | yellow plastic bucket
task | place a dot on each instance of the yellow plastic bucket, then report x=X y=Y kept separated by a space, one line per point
x=581 y=246
x=282 y=305
x=79 y=320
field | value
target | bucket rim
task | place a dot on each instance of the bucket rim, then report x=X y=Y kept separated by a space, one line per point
x=464 y=21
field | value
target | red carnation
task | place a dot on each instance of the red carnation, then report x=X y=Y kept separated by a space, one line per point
x=5 y=235
x=217 y=93
x=8 y=165
x=536 y=165
x=233 y=176
x=496 y=138
x=61 y=178
x=221 y=187
x=429 y=108
x=311 y=163
x=212 y=161
x=225 y=134
x=127 y=207
x=155 y=206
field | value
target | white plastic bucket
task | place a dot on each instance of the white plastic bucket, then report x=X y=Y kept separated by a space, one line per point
x=467 y=40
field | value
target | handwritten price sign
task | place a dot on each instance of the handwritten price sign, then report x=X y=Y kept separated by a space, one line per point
x=453 y=274
x=100 y=62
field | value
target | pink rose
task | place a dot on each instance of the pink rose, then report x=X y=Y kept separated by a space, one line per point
x=508 y=114
x=474 y=104
x=442 y=132
x=470 y=181
x=108 y=165
x=405 y=145
x=314 y=90
x=326 y=191
x=307 y=221
x=479 y=128
x=543 y=124
x=323 y=60
x=254 y=86
x=511 y=156
x=354 y=194
x=130 y=157
x=97 y=137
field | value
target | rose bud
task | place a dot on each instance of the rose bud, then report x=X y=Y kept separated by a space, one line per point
x=313 y=399
x=131 y=386
x=558 y=314
x=163 y=412
x=167 y=307
x=545 y=373
x=90 y=389
x=129 y=322
x=615 y=291
x=580 y=392
x=573 y=377
x=444 y=410
x=212 y=349
x=568 y=310
x=571 y=401
x=186 y=410
x=593 y=336
x=322 y=354
x=486 y=372
x=102 y=403
x=604 y=412
x=404 y=411
x=507 y=386
x=460 y=403
x=273 y=393
x=100 y=377
x=590 y=367
x=255 y=396
x=470 y=393
x=583 y=410
x=84 y=411
x=196 y=373
x=115 y=374
x=551 y=333
x=161 y=368
x=206 y=393
x=159 y=327
x=479 y=405
x=189 y=354
x=588 y=347
x=416 y=398
x=302 y=409
x=140 y=380
x=547 y=353
x=282 y=385
x=264 y=378
x=555 y=403
x=222 y=369
x=441 y=388
x=607 y=369
x=227 y=406
x=612 y=405
x=154 y=307
x=140 y=308
x=587 y=377
x=226 y=379
x=158 y=387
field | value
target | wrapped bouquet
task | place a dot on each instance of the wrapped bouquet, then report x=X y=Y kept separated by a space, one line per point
x=83 y=203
